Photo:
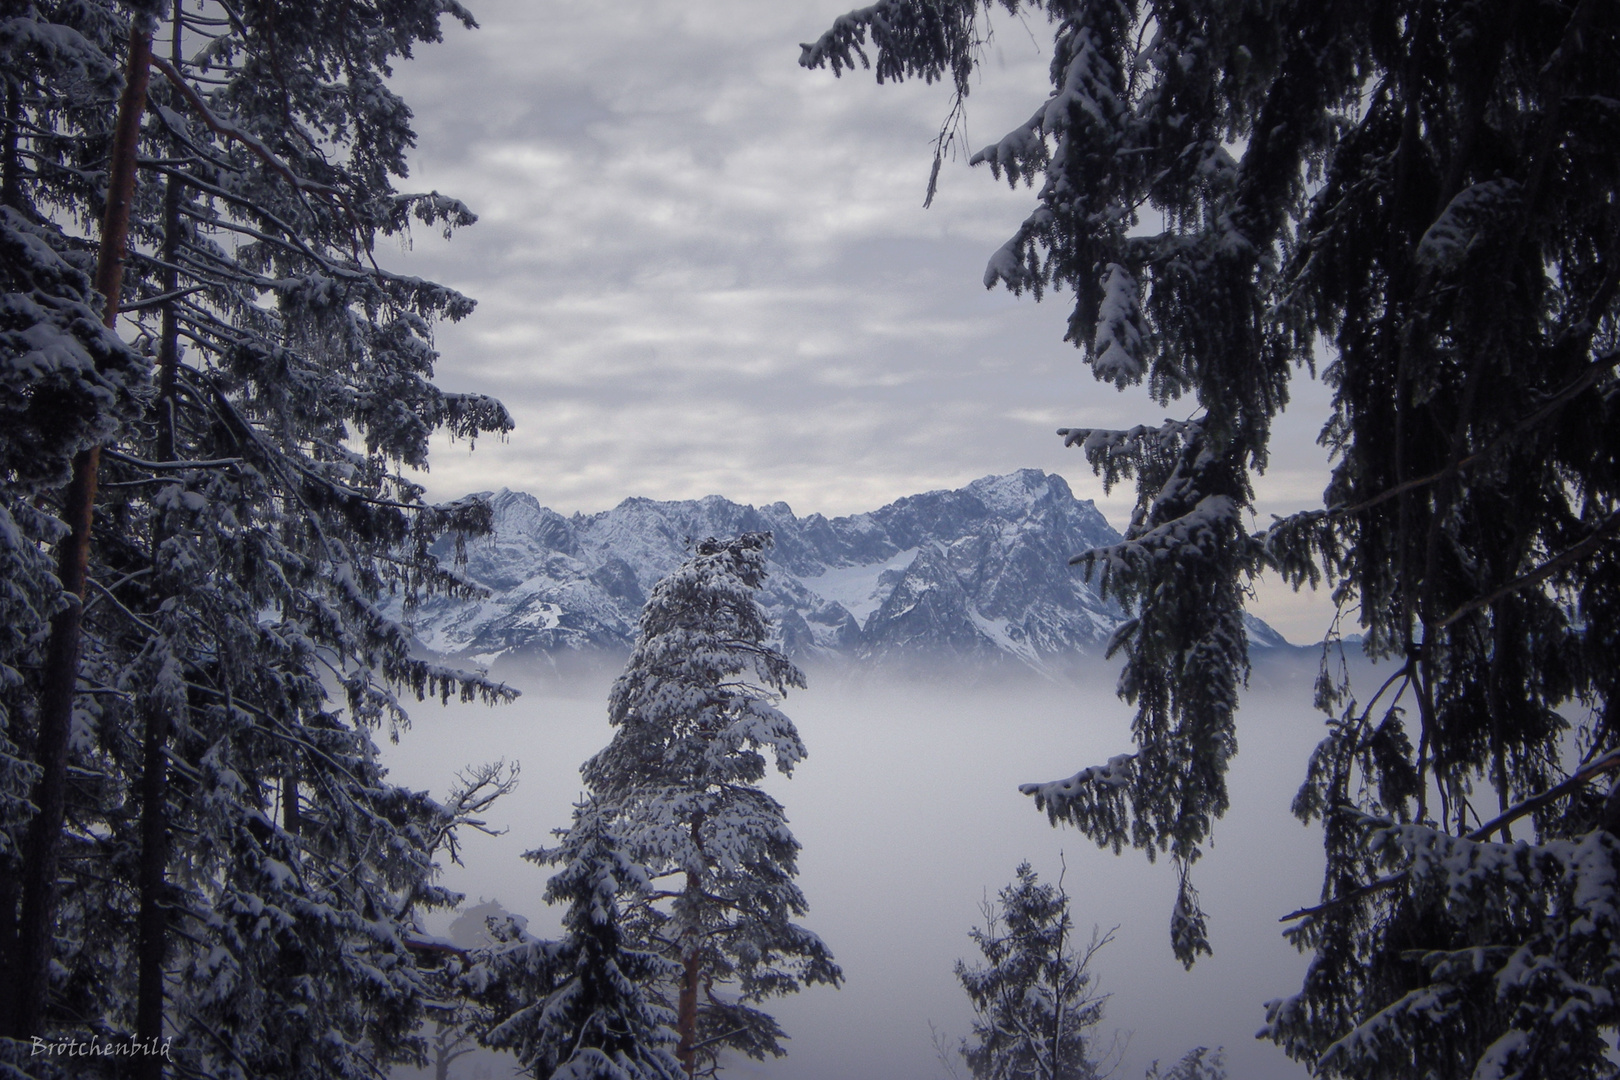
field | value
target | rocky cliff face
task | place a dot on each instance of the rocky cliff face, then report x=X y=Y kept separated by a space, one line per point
x=978 y=573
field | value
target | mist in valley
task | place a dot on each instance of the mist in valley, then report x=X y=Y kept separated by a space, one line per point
x=909 y=814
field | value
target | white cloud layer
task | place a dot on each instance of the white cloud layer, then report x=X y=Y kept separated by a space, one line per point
x=909 y=814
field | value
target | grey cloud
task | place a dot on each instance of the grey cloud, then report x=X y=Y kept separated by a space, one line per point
x=701 y=269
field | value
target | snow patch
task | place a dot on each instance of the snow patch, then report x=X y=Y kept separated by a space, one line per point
x=543 y=616
x=997 y=631
x=858 y=588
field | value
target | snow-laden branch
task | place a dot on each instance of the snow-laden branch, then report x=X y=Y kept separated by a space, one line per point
x=1607 y=763
x=225 y=129
x=1115 y=774
x=142 y=463
x=1200 y=529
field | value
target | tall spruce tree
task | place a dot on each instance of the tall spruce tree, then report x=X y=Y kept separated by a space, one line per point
x=235 y=868
x=695 y=715
x=1427 y=192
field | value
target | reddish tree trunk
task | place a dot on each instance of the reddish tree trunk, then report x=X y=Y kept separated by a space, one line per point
x=686 y=1014
x=691 y=970
x=61 y=674
x=153 y=928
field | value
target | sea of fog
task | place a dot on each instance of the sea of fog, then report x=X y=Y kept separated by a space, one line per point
x=909 y=813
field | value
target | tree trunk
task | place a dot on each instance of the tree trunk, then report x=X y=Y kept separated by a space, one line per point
x=153 y=923
x=152 y=928
x=10 y=157
x=686 y=1013
x=36 y=931
x=290 y=820
x=691 y=971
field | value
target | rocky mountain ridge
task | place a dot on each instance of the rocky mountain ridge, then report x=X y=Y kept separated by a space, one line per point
x=980 y=573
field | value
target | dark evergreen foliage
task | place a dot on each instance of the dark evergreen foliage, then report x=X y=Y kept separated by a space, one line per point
x=1035 y=1002
x=256 y=537
x=66 y=383
x=1199 y=1063
x=1427 y=192
x=581 y=1008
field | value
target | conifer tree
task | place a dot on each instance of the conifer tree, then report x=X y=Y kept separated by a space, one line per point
x=696 y=716
x=1426 y=192
x=236 y=869
x=68 y=384
x=581 y=1008
x=1035 y=1002
x=1199 y=1063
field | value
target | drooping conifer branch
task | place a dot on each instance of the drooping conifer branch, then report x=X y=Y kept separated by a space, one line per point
x=1425 y=196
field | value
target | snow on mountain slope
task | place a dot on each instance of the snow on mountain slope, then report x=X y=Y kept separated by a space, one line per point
x=977 y=573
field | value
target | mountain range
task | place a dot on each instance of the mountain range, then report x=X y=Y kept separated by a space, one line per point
x=976 y=574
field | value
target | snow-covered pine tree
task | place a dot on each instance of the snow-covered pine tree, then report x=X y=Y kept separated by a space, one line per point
x=1035 y=1001
x=695 y=713
x=581 y=1008
x=250 y=528
x=1427 y=191
x=1199 y=1063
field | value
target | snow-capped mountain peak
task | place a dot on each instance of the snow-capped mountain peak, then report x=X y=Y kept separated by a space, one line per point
x=979 y=572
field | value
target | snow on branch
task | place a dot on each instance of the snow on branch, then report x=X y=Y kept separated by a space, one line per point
x=1606 y=764
x=1116 y=454
x=1017 y=263
x=1092 y=800
x=926 y=38
x=1554 y=982
x=62 y=47
x=1115 y=774
x=1465 y=221
x=225 y=129
x=432 y=208
x=1020 y=153
x=1197 y=532
x=1117 y=349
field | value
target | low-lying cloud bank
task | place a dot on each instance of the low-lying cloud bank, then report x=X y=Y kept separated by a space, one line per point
x=909 y=814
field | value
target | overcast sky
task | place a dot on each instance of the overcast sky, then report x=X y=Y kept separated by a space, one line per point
x=704 y=270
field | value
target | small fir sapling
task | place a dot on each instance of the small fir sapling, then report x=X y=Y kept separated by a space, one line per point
x=1035 y=999
x=580 y=1008
x=1199 y=1063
